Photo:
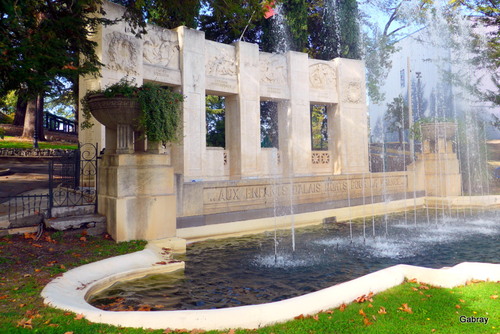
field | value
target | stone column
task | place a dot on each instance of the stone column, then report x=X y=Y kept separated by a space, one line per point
x=350 y=120
x=243 y=115
x=192 y=64
x=294 y=119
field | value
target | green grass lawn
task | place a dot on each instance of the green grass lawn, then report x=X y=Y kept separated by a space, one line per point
x=27 y=265
x=15 y=142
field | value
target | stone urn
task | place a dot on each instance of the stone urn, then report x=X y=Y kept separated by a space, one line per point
x=441 y=130
x=120 y=116
x=111 y=111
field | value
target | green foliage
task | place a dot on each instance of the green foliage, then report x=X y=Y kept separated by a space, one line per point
x=9 y=143
x=161 y=112
x=296 y=20
x=34 y=52
x=2 y=133
x=319 y=127
x=215 y=120
x=160 y=108
x=269 y=136
x=8 y=104
x=396 y=116
x=225 y=20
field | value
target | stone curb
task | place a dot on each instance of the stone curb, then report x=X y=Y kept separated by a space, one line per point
x=69 y=292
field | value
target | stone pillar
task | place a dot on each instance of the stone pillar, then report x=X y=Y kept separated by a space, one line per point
x=294 y=119
x=137 y=195
x=192 y=64
x=243 y=115
x=350 y=121
x=440 y=163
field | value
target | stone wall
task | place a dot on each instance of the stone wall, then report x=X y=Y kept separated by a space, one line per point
x=183 y=59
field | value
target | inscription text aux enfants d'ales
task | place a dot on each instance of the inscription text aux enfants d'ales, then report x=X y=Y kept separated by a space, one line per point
x=331 y=189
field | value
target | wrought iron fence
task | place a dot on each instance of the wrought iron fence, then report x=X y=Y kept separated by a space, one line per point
x=72 y=182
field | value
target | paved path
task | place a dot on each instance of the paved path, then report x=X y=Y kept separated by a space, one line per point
x=22 y=178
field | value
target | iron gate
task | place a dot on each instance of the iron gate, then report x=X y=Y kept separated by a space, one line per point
x=73 y=179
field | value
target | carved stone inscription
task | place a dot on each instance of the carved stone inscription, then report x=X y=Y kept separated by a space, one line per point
x=302 y=192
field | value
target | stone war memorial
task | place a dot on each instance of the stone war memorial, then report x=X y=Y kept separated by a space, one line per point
x=189 y=190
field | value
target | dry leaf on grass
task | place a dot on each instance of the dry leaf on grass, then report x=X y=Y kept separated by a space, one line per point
x=405 y=308
x=382 y=310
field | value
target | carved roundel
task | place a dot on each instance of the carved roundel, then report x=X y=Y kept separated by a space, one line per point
x=353 y=92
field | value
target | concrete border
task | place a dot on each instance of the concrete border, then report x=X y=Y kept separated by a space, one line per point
x=69 y=292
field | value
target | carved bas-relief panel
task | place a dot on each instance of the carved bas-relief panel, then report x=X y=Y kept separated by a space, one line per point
x=220 y=67
x=161 y=48
x=353 y=92
x=273 y=76
x=161 y=56
x=122 y=53
x=322 y=82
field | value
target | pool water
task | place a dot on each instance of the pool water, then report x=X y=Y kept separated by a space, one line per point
x=247 y=270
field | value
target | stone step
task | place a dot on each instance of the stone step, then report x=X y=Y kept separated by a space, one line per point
x=67 y=211
x=94 y=224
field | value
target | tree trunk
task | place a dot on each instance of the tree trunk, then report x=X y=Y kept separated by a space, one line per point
x=34 y=109
x=20 y=108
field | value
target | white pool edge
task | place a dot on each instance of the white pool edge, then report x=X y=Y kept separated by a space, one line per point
x=68 y=292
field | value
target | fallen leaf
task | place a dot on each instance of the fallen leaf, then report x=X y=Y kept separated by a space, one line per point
x=362 y=313
x=414 y=289
x=493 y=296
x=299 y=317
x=161 y=262
x=382 y=310
x=360 y=299
x=405 y=308
x=62 y=266
x=413 y=280
x=457 y=306
x=367 y=322
x=83 y=239
x=342 y=307
x=197 y=331
x=37 y=245
x=370 y=305
x=79 y=317
x=25 y=323
x=30 y=236
x=461 y=300
x=423 y=287
x=315 y=317
x=68 y=333
x=231 y=331
x=329 y=312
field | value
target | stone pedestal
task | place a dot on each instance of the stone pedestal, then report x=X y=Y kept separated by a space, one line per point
x=137 y=195
x=440 y=162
